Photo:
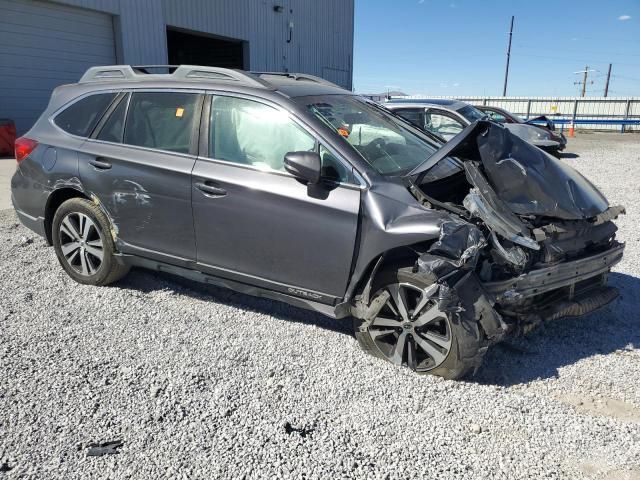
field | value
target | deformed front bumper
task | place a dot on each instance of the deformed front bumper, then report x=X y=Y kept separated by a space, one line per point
x=568 y=289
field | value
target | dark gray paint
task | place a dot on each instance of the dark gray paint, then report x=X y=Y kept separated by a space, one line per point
x=267 y=229
x=260 y=232
x=272 y=226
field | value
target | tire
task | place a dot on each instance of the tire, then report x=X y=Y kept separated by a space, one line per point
x=464 y=344
x=81 y=235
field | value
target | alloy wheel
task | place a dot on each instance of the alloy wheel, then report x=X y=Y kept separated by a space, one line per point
x=409 y=328
x=81 y=243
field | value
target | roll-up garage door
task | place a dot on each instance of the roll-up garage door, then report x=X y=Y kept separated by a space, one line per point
x=43 y=45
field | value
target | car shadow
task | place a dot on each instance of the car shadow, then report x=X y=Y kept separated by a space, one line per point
x=569 y=155
x=147 y=281
x=545 y=351
x=536 y=356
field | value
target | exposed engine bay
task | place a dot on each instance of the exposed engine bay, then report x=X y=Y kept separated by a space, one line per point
x=535 y=238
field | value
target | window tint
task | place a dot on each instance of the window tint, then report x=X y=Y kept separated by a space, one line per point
x=81 y=117
x=333 y=169
x=413 y=115
x=471 y=113
x=163 y=120
x=113 y=128
x=248 y=132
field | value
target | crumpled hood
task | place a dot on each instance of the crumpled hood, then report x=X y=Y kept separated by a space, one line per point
x=532 y=182
x=526 y=179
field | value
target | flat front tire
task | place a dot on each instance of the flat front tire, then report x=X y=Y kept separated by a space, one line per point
x=82 y=241
x=406 y=327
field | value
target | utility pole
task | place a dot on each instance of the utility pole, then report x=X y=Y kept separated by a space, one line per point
x=584 y=81
x=606 y=85
x=506 y=72
x=585 y=74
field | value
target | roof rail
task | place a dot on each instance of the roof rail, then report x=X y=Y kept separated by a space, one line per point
x=110 y=72
x=222 y=74
x=140 y=72
x=300 y=76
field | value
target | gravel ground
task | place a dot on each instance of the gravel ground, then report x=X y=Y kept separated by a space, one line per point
x=199 y=382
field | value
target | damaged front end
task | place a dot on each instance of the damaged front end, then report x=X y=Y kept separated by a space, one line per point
x=532 y=239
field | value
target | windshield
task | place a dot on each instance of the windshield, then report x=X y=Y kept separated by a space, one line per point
x=388 y=143
x=471 y=113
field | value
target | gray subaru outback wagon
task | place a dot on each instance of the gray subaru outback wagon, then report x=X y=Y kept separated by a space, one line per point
x=289 y=187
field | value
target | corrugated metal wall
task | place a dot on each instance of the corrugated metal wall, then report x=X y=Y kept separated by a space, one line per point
x=43 y=45
x=321 y=39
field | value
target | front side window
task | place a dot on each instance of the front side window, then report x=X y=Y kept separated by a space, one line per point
x=333 y=169
x=252 y=133
x=413 y=115
x=82 y=117
x=386 y=142
x=162 y=120
x=442 y=124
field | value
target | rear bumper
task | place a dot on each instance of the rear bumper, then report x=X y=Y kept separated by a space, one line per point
x=32 y=223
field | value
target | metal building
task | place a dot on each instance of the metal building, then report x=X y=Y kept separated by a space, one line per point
x=44 y=44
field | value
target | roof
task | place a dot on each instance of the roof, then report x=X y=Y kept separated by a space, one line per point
x=441 y=102
x=302 y=85
x=290 y=84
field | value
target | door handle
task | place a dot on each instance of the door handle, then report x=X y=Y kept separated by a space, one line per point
x=100 y=164
x=211 y=190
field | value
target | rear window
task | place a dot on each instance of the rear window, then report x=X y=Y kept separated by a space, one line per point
x=81 y=117
x=162 y=120
x=113 y=128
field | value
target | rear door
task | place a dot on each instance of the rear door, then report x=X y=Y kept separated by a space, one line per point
x=255 y=222
x=138 y=164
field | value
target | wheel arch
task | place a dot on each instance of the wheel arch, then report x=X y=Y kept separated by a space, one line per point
x=55 y=199
x=404 y=254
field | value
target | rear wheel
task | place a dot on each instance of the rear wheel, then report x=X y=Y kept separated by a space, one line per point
x=82 y=241
x=405 y=326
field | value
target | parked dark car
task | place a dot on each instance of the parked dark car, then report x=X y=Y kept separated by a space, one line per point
x=447 y=118
x=289 y=187
x=501 y=115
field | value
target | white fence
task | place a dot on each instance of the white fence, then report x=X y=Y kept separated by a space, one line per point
x=593 y=113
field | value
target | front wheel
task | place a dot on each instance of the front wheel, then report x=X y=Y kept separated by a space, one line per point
x=406 y=326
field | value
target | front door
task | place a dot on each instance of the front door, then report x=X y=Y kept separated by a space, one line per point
x=255 y=222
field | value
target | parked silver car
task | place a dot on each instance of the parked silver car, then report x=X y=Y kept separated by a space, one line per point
x=289 y=187
x=447 y=118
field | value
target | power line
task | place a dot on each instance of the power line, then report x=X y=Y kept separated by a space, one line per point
x=570 y=50
x=626 y=78
x=604 y=62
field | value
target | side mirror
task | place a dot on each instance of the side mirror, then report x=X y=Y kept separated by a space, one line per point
x=304 y=166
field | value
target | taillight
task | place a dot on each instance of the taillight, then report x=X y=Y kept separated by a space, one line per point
x=24 y=147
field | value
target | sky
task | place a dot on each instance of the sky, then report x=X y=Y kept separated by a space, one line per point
x=458 y=47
